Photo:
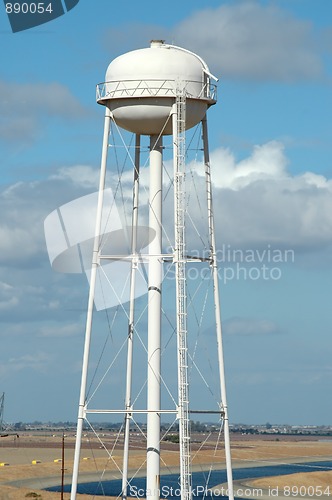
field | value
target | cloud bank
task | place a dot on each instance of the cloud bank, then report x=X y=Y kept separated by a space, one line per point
x=252 y=41
x=241 y=40
x=256 y=200
x=260 y=201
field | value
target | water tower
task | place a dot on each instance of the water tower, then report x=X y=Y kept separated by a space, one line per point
x=158 y=91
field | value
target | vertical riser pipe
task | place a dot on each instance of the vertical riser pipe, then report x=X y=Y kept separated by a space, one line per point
x=154 y=320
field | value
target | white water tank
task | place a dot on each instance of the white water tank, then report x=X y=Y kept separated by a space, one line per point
x=141 y=87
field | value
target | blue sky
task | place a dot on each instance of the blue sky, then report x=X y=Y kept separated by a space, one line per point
x=270 y=143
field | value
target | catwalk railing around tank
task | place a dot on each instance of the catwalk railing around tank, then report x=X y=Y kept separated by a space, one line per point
x=154 y=88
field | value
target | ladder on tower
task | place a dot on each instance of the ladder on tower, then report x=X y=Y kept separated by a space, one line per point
x=181 y=294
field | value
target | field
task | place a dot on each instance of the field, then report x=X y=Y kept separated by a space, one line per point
x=37 y=458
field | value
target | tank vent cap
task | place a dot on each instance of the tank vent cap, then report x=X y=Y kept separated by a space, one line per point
x=156 y=43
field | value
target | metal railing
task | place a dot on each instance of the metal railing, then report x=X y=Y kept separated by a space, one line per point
x=154 y=88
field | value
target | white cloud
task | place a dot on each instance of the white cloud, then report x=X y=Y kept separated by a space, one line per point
x=29 y=301
x=60 y=330
x=25 y=205
x=257 y=201
x=80 y=175
x=13 y=239
x=21 y=234
x=37 y=361
x=54 y=304
x=252 y=41
x=24 y=127
x=30 y=288
x=7 y=299
x=242 y=40
x=266 y=162
x=23 y=107
x=50 y=98
x=250 y=326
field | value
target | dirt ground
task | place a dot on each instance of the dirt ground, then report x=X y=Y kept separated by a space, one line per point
x=45 y=451
x=309 y=482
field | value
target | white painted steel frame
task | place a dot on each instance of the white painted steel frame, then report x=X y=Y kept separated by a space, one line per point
x=88 y=327
x=155 y=258
x=179 y=157
x=131 y=327
x=214 y=265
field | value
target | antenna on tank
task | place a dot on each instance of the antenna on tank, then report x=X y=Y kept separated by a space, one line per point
x=159 y=91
